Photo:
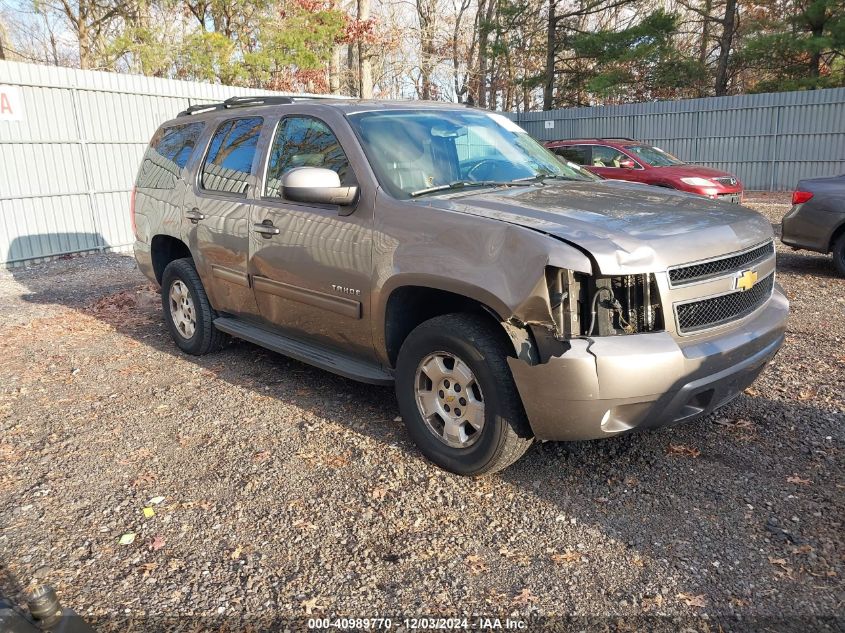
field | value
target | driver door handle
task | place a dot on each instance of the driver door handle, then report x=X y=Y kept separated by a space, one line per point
x=194 y=215
x=265 y=229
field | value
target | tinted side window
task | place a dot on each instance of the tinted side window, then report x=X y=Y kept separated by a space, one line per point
x=167 y=154
x=229 y=160
x=577 y=154
x=304 y=142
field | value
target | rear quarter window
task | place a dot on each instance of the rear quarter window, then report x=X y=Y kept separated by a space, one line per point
x=230 y=155
x=168 y=153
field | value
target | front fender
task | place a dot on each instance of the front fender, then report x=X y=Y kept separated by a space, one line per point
x=495 y=263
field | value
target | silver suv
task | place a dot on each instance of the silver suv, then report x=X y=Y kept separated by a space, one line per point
x=508 y=295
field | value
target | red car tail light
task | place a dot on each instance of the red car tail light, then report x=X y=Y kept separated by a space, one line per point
x=800 y=197
x=132 y=213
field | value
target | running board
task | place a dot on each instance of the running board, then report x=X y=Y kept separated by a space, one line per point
x=307 y=353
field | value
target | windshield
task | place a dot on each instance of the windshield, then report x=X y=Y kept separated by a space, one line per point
x=416 y=152
x=653 y=156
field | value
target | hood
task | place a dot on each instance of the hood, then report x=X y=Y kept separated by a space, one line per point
x=626 y=227
x=687 y=171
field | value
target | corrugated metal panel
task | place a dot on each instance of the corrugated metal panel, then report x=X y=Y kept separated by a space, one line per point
x=769 y=140
x=69 y=165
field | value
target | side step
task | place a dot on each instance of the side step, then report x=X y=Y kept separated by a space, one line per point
x=307 y=353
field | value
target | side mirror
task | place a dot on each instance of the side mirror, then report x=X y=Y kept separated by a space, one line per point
x=627 y=163
x=318 y=186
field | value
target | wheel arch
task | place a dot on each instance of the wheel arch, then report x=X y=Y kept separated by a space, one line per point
x=163 y=250
x=415 y=299
x=837 y=232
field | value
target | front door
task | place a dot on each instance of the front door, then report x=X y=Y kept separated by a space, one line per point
x=216 y=221
x=311 y=265
x=607 y=162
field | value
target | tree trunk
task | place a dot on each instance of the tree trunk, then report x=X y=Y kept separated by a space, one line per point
x=725 y=42
x=427 y=13
x=816 y=57
x=549 y=85
x=365 y=69
x=485 y=9
x=352 y=84
x=334 y=71
x=85 y=53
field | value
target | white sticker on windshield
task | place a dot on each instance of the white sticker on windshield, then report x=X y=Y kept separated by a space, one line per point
x=506 y=123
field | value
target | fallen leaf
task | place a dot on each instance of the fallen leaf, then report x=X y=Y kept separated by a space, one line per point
x=476 y=564
x=236 y=554
x=303 y=525
x=735 y=424
x=310 y=605
x=379 y=493
x=796 y=479
x=777 y=561
x=149 y=513
x=515 y=556
x=155 y=501
x=751 y=391
x=524 y=598
x=157 y=543
x=127 y=539
x=336 y=461
x=686 y=451
x=693 y=601
x=806 y=394
x=656 y=601
x=567 y=557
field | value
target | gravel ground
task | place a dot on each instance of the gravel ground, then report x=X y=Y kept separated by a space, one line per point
x=288 y=491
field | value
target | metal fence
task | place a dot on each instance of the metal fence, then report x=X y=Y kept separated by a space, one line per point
x=71 y=142
x=769 y=140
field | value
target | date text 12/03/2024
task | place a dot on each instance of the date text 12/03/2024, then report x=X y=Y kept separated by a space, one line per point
x=422 y=623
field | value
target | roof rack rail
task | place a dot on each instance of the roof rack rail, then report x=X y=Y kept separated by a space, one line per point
x=252 y=100
x=616 y=138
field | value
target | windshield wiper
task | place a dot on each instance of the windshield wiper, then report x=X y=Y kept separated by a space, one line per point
x=460 y=184
x=542 y=177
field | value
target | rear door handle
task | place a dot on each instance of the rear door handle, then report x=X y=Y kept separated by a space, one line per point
x=194 y=215
x=266 y=230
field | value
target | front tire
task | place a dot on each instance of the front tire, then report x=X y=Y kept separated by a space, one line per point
x=187 y=311
x=839 y=254
x=457 y=396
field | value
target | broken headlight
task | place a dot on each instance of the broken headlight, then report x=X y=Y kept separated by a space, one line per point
x=583 y=305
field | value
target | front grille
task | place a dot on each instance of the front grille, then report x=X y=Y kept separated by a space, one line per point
x=708 y=313
x=705 y=270
x=727 y=181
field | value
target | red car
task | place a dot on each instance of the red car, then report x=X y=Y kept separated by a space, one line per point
x=627 y=159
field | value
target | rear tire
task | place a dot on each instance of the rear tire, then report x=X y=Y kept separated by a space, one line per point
x=187 y=311
x=839 y=254
x=434 y=360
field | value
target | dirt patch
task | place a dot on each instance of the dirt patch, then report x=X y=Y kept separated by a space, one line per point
x=286 y=491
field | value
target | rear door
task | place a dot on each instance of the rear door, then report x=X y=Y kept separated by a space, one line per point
x=578 y=154
x=312 y=271
x=216 y=224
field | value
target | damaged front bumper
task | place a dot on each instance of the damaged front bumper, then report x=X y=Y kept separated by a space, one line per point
x=604 y=386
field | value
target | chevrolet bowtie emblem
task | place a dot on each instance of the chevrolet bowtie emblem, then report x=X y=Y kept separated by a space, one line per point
x=745 y=280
